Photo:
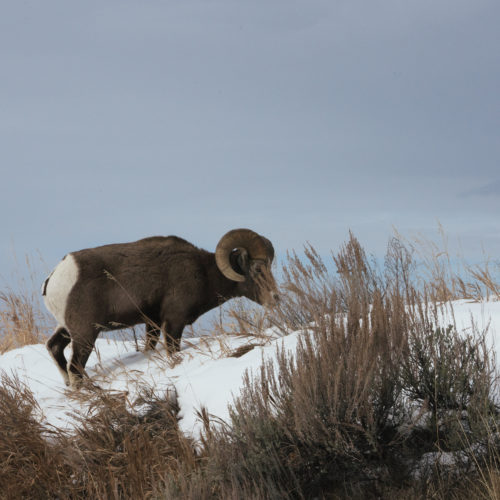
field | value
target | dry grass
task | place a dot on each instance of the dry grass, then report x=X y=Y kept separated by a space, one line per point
x=448 y=276
x=373 y=389
x=21 y=321
x=122 y=455
x=30 y=465
x=116 y=453
x=23 y=318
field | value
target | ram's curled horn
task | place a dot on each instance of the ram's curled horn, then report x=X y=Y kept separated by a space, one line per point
x=253 y=243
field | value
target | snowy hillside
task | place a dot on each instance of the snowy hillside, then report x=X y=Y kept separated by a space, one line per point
x=207 y=373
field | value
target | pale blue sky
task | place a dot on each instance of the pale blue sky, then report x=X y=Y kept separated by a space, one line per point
x=299 y=119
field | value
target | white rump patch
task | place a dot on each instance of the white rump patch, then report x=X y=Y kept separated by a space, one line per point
x=60 y=283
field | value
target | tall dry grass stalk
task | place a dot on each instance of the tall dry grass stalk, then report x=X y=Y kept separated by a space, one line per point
x=449 y=276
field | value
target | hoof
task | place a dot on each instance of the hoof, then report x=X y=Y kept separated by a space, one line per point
x=75 y=381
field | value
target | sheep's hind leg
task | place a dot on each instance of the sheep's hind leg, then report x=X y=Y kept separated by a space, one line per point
x=56 y=345
x=82 y=347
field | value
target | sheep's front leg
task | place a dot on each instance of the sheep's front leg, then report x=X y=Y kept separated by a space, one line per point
x=82 y=346
x=152 y=336
x=172 y=333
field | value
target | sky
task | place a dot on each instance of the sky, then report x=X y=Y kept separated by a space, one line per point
x=300 y=119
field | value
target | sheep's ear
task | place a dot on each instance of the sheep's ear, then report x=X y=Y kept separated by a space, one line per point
x=240 y=260
x=244 y=260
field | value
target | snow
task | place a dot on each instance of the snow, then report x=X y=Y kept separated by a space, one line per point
x=469 y=316
x=203 y=375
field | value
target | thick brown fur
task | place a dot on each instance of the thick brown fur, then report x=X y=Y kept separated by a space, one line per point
x=164 y=282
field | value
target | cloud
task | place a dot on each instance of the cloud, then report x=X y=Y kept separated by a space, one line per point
x=492 y=189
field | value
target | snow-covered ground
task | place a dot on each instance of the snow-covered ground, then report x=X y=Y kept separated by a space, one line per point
x=204 y=376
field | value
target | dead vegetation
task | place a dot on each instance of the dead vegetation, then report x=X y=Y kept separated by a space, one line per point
x=23 y=318
x=376 y=402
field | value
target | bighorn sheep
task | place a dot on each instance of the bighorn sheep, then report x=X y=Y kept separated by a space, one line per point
x=164 y=282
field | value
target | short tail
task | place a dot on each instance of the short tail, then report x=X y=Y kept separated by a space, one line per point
x=44 y=286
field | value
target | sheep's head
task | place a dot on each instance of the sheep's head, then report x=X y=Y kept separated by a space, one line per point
x=246 y=257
